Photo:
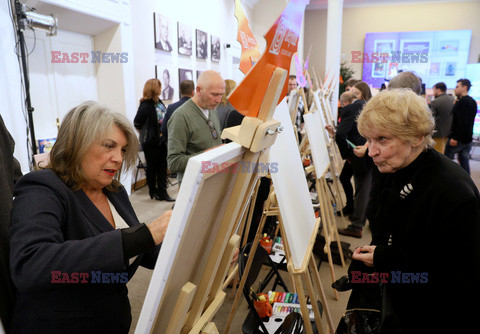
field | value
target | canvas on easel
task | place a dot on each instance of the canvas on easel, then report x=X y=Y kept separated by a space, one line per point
x=321 y=164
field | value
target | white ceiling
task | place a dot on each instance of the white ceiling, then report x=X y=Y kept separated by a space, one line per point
x=322 y=4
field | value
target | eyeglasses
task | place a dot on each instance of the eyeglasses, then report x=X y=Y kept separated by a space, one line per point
x=212 y=128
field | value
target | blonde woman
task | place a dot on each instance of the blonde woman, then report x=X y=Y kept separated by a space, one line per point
x=227 y=115
x=424 y=212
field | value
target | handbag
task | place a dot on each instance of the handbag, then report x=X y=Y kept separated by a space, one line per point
x=359 y=321
x=363 y=315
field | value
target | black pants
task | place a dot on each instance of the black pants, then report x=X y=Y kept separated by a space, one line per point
x=156 y=157
x=345 y=176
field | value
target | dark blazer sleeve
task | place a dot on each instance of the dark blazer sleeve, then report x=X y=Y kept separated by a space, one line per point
x=344 y=128
x=141 y=116
x=168 y=114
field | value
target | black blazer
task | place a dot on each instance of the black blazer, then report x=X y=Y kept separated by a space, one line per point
x=146 y=121
x=347 y=129
x=55 y=229
x=170 y=109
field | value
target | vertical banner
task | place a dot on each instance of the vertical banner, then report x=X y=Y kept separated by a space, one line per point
x=250 y=50
x=282 y=43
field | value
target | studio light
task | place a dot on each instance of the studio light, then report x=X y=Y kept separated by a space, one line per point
x=32 y=20
x=26 y=18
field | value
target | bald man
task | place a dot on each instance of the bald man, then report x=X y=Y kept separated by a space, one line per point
x=194 y=127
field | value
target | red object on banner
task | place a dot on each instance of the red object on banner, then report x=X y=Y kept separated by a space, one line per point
x=250 y=51
x=282 y=43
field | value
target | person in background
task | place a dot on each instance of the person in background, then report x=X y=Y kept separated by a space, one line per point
x=75 y=239
x=441 y=109
x=346 y=174
x=226 y=112
x=406 y=80
x=148 y=121
x=361 y=166
x=10 y=172
x=194 y=127
x=463 y=117
x=424 y=213
x=292 y=89
x=187 y=90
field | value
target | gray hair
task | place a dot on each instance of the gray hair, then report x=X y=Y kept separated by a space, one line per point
x=406 y=80
x=82 y=127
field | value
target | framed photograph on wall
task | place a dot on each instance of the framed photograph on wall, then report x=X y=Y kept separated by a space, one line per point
x=202 y=44
x=164 y=74
x=198 y=73
x=215 y=42
x=184 y=74
x=184 y=39
x=162 y=27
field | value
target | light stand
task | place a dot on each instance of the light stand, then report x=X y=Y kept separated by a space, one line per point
x=31 y=20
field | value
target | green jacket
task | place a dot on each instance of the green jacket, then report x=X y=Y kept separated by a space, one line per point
x=189 y=135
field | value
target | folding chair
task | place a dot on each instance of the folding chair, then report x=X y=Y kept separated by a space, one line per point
x=140 y=165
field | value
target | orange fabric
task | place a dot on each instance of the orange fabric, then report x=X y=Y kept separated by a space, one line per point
x=250 y=50
x=282 y=43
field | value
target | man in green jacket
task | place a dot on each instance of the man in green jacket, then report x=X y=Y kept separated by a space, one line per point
x=194 y=127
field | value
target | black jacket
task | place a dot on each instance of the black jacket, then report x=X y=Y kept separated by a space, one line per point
x=434 y=231
x=463 y=113
x=9 y=173
x=55 y=229
x=347 y=129
x=146 y=121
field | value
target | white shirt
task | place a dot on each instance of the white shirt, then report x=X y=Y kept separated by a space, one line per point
x=205 y=112
x=119 y=223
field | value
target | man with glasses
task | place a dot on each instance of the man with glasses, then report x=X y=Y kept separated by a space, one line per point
x=194 y=127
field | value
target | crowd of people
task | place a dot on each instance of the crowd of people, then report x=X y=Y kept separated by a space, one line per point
x=73 y=217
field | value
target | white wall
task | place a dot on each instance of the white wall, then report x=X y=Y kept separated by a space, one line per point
x=212 y=16
x=397 y=17
x=12 y=109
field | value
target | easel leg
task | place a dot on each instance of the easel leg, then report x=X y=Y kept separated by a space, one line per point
x=313 y=299
x=301 y=298
x=319 y=287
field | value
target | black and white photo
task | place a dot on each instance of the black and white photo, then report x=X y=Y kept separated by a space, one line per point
x=184 y=39
x=202 y=44
x=162 y=33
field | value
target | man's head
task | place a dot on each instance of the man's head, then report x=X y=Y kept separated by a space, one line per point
x=292 y=83
x=439 y=88
x=346 y=98
x=166 y=78
x=163 y=27
x=406 y=80
x=209 y=90
x=187 y=88
x=462 y=88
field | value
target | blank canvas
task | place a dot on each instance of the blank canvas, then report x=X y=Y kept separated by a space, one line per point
x=291 y=188
x=318 y=146
x=198 y=211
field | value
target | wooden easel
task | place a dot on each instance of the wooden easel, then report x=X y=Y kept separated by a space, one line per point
x=336 y=162
x=308 y=273
x=196 y=305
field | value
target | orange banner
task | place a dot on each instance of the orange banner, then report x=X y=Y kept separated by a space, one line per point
x=250 y=51
x=282 y=43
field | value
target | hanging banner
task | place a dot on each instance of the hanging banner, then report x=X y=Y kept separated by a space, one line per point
x=282 y=43
x=250 y=50
x=302 y=82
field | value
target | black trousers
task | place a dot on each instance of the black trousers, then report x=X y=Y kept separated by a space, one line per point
x=156 y=157
x=345 y=176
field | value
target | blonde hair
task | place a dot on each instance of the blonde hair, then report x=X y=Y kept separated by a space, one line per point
x=229 y=87
x=400 y=112
x=82 y=127
x=347 y=97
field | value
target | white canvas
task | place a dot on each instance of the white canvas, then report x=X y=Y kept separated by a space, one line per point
x=198 y=210
x=318 y=146
x=291 y=188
